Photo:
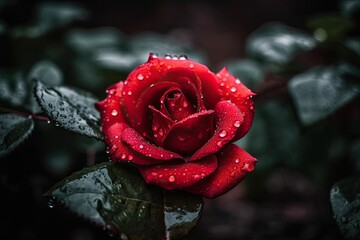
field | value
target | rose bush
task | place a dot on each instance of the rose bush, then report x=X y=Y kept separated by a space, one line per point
x=175 y=121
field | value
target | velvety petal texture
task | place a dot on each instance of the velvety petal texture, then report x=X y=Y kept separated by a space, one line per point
x=175 y=121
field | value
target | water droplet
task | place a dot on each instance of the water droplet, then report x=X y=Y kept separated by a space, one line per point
x=48 y=121
x=237 y=160
x=232 y=174
x=161 y=132
x=237 y=81
x=140 y=77
x=167 y=56
x=183 y=57
x=161 y=155
x=185 y=104
x=219 y=143
x=129 y=93
x=51 y=202
x=154 y=174
x=191 y=65
x=222 y=84
x=172 y=178
x=237 y=123
x=181 y=139
x=116 y=136
x=233 y=89
x=175 y=57
x=141 y=146
x=114 y=112
x=123 y=156
x=130 y=158
x=222 y=133
x=245 y=168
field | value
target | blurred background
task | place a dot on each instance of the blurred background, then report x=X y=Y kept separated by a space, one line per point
x=300 y=57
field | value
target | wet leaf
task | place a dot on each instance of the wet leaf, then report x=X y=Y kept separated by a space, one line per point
x=182 y=213
x=13 y=131
x=276 y=43
x=345 y=202
x=321 y=91
x=70 y=109
x=47 y=72
x=115 y=197
x=248 y=71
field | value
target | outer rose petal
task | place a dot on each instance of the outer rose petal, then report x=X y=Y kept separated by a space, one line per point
x=119 y=151
x=232 y=89
x=234 y=164
x=110 y=109
x=140 y=145
x=180 y=175
x=228 y=120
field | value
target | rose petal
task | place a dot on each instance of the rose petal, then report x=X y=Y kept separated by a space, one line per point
x=234 y=164
x=232 y=89
x=161 y=126
x=140 y=145
x=175 y=105
x=110 y=109
x=189 y=134
x=227 y=116
x=119 y=151
x=181 y=175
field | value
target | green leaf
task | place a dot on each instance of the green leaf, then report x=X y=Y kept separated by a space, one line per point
x=276 y=43
x=345 y=202
x=182 y=213
x=330 y=27
x=248 y=71
x=321 y=91
x=115 y=197
x=13 y=131
x=70 y=109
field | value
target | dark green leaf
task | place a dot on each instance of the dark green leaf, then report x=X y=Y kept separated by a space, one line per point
x=116 y=197
x=71 y=109
x=47 y=72
x=182 y=213
x=276 y=43
x=321 y=91
x=330 y=27
x=248 y=71
x=345 y=201
x=13 y=131
x=13 y=90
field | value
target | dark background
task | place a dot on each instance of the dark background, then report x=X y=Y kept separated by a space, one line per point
x=288 y=204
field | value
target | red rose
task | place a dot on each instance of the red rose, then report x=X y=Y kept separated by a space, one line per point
x=175 y=121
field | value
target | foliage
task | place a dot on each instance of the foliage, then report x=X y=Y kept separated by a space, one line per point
x=307 y=115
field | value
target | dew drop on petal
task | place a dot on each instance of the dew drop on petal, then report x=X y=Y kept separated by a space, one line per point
x=140 y=77
x=245 y=167
x=154 y=174
x=237 y=123
x=222 y=133
x=219 y=143
x=181 y=139
x=232 y=174
x=172 y=178
x=130 y=158
x=123 y=156
x=196 y=176
x=114 y=112
x=185 y=104
x=141 y=146
x=237 y=81
x=191 y=65
x=233 y=89
x=237 y=160
x=161 y=132
x=129 y=93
